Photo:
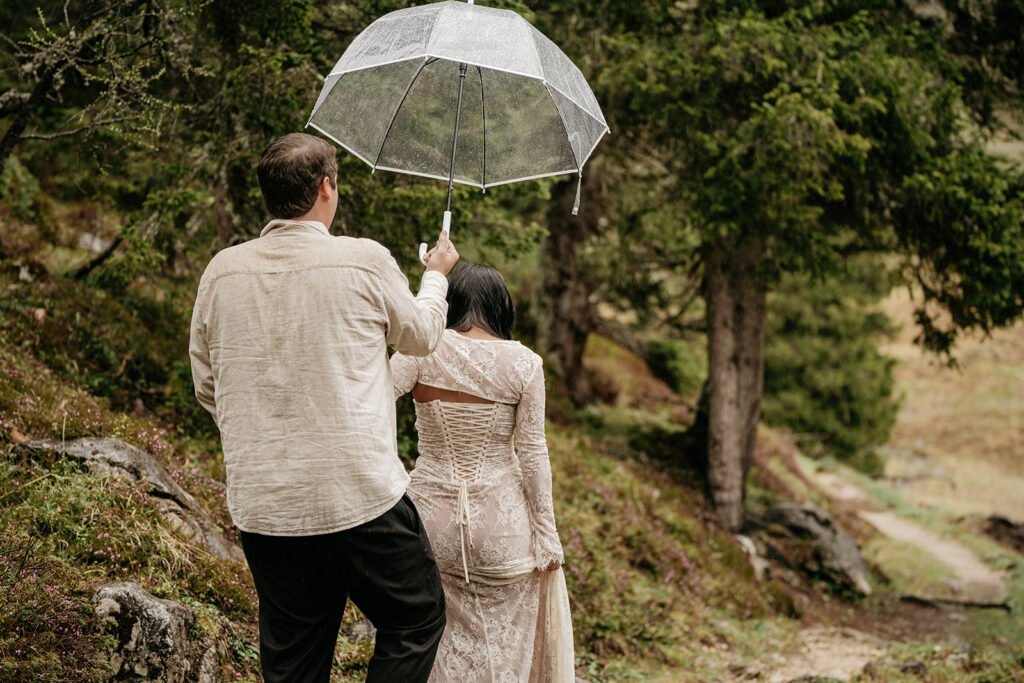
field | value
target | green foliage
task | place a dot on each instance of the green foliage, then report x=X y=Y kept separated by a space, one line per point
x=19 y=190
x=91 y=65
x=648 y=580
x=820 y=129
x=964 y=220
x=678 y=364
x=823 y=128
x=35 y=403
x=986 y=38
x=408 y=441
x=129 y=349
x=264 y=21
x=69 y=531
x=824 y=377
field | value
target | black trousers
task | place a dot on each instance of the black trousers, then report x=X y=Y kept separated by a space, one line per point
x=303 y=582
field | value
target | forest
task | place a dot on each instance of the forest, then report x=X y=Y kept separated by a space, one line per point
x=803 y=235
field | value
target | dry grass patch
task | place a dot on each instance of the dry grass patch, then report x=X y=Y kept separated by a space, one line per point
x=959 y=440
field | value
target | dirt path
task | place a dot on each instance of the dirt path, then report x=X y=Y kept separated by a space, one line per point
x=976 y=581
x=959 y=445
x=829 y=653
x=842 y=654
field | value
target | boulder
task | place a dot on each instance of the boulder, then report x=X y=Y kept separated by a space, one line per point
x=1006 y=531
x=155 y=639
x=107 y=456
x=361 y=630
x=808 y=538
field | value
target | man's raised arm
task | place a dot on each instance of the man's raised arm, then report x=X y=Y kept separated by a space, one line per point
x=415 y=323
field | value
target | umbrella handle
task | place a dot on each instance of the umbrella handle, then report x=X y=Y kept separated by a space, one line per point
x=446 y=226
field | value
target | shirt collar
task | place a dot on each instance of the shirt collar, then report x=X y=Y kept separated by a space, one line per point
x=283 y=225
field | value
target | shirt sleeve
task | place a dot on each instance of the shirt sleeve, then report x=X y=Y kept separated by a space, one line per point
x=532 y=451
x=199 y=355
x=405 y=372
x=414 y=323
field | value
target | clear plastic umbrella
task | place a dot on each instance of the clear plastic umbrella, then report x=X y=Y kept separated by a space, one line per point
x=461 y=93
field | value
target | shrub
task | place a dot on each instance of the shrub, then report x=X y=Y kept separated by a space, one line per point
x=19 y=189
x=45 y=632
x=677 y=364
x=824 y=377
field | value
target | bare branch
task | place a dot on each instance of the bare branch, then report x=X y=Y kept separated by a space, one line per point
x=76 y=131
x=623 y=336
x=12 y=101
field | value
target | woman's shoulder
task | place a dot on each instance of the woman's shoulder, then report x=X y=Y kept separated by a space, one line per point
x=507 y=356
x=506 y=347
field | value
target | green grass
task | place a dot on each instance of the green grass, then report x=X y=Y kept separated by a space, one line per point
x=65 y=531
x=909 y=569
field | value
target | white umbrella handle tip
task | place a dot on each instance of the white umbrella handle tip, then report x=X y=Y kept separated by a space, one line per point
x=423 y=253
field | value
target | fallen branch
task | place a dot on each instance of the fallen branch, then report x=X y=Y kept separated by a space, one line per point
x=940 y=602
x=98 y=260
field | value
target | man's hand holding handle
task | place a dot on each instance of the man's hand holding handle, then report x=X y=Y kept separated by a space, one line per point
x=443 y=256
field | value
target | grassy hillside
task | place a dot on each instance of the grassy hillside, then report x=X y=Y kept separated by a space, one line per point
x=658 y=591
x=655 y=588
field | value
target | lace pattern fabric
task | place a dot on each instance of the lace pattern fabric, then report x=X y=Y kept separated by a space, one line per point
x=482 y=485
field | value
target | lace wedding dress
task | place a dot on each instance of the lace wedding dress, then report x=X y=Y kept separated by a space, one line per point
x=482 y=485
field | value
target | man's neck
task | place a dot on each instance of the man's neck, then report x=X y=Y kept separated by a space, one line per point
x=316 y=216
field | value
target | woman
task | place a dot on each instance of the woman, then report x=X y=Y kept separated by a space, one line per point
x=485 y=503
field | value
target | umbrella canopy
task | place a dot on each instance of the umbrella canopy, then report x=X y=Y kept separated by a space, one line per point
x=463 y=93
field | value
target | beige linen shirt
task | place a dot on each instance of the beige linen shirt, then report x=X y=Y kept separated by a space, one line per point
x=288 y=350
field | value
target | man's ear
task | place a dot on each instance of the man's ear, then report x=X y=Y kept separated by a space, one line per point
x=325 y=188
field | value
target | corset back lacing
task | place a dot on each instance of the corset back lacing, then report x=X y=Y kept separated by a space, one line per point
x=465 y=449
x=475 y=424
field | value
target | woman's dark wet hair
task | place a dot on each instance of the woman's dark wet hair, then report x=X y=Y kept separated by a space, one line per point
x=478 y=295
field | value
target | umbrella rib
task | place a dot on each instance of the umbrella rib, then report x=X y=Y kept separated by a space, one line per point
x=455 y=135
x=579 y=169
x=399 y=108
x=483 y=118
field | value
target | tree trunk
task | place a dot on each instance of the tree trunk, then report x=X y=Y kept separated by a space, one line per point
x=565 y=314
x=736 y=308
x=25 y=111
x=753 y=315
x=231 y=195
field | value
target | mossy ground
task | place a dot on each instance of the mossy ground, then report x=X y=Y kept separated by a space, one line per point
x=658 y=591
x=652 y=583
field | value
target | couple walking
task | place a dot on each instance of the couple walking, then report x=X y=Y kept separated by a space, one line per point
x=289 y=353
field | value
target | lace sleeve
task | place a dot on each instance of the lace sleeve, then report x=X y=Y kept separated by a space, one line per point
x=405 y=372
x=532 y=451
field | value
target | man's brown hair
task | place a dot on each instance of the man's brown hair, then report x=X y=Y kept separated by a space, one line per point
x=291 y=170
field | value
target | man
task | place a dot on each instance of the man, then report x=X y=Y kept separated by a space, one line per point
x=288 y=348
